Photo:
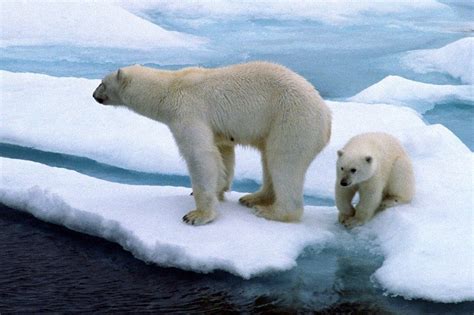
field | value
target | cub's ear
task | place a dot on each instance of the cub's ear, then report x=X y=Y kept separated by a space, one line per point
x=340 y=153
x=122 y=78
x=368 y=159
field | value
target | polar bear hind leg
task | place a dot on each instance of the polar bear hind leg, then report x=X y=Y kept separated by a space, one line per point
x=224 y=183
x=400 y=188
x=288 y=154
x=288 y=189
x=265 y=196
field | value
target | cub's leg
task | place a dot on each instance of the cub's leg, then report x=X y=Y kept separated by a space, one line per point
x=265 y=196
x=227 y=153
x=401 y=184
x=204 y=162
x=344 y=196
x=370 y=198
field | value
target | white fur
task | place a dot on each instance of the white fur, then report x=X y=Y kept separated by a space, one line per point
x=209 y=111
x=376 y=166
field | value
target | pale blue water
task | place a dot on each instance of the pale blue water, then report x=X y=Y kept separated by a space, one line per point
x=339 y=60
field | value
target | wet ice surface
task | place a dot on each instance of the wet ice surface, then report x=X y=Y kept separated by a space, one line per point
x=342 y=49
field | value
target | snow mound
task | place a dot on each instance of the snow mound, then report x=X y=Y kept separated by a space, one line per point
x=417 y=95
x=455 y=59
x=146 y=221
x=332 y=12
x=85 y=24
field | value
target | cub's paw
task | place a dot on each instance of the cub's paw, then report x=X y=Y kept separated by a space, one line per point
x=343 y=217
x=389 y=202
x=199 y=217
x=352 y=222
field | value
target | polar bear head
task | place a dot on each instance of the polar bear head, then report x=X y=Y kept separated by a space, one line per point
x=108 y=91
x=354 y=169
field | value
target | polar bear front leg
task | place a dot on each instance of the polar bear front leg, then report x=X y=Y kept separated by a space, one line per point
x=370 y=198
x=195 y=142
x=344 y=196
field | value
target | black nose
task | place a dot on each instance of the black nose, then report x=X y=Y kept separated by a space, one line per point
x=99 y=100
x=344 y=183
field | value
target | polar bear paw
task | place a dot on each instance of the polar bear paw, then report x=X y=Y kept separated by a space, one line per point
x=352 y=222
x=264 y=212
x=252 y=200
x=221 y=195
x=389 y=202
x=343 y=217
x=270 y=213
x=199 y=217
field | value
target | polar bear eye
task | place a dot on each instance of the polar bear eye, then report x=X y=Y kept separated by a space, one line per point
x=353 y=170
x=342 y=168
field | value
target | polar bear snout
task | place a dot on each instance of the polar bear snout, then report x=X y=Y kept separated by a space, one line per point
x=98 y=94
x=345 y=182
x=98 y=99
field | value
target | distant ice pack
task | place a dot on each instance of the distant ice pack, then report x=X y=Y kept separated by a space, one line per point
x=84 y=24
x=455 y=59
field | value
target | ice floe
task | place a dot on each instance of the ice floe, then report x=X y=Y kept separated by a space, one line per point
x=333 y=12
x=146 y=220
x=417 y=95
x=84 y=24
x=455 y=59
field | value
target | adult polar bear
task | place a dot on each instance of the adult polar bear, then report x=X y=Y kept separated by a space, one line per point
x=209 y=111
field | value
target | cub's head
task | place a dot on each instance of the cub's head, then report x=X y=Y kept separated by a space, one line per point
x=109 y=90
x=352 y=169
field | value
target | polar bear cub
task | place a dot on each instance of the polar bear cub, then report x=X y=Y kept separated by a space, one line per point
x=209 y=111
x=376 y=166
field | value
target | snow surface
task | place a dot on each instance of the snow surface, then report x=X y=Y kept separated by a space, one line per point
x=331 y=12
x=146 y=220
x=86 y=24
x=417 y=95
x=121 y=138
x=455 y=59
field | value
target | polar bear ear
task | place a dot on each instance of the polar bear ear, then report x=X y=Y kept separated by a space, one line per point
x=122 y=78
x=119 y=75
x=340 y=153
x=368 y=159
